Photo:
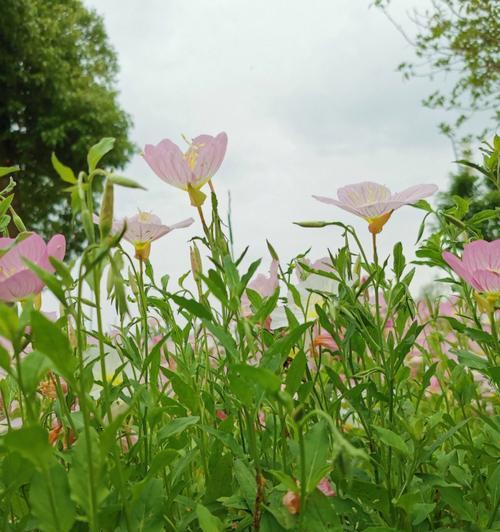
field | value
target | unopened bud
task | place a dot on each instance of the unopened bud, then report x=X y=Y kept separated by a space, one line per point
x=88 y=226
x=196 y=264
x=106 y=212
x=18 y=222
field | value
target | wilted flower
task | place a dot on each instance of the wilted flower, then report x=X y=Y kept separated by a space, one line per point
x=291 y=501
x=17 y=281
x=190 y=170
x=142 y=229
x=480 y=265
x=374 y=202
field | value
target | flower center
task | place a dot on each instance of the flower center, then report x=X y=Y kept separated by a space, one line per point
x=144 y=217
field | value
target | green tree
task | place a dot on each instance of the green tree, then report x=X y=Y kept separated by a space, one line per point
x=57 y=93
x=479 y=186
x=457 y=44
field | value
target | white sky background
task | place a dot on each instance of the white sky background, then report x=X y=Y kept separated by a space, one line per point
x=308 y=93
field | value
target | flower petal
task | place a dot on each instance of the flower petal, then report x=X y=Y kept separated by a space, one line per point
x=457 y=266
x=487 y=281
x=415 y=193
x=179 y=225
x=332 y=201
x=365 y=193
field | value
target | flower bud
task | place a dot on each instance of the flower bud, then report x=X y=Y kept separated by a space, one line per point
x=18 y=222
x=196 y=264
x=106 y=212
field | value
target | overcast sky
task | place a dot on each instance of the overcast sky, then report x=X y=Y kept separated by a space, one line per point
x=309 y=95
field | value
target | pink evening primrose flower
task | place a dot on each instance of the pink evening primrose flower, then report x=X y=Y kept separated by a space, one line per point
x=374 y=202
x=479 y=266
x=144 y=228
x=264 y=285
x=190 y=170
x=17 y=281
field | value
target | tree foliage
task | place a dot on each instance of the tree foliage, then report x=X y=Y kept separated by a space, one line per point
x=457 y=43
x=57 y=78
x=460 y=40
x=479 y=186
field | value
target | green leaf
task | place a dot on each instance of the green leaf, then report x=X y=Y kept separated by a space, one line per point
x=247 y=483
x=393 y=440
x=296 y=372
x=98 y=151
x=284 y=479
x=207 y=521
x=34 y=367
x=176 y=426
x=65 y=172
x=32 y=443
x=50 y=340
x=317 y=451
x=470 y=360
x=78 y=475
x=50 y=500
x=262 y=377
x=274 y=357
x=15 y=471
x=50 y=280
x=5 y=204
x=147 y=505
x=4 y=170
x=193 y=307
x=224 y=338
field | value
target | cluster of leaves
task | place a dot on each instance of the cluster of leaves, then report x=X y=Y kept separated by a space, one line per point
x=57 y=73
x=477 y=188
x=458 y=39
x=196 y=415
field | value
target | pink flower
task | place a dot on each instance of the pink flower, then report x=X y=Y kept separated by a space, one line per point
x=324 y=339
x=220 y=414
x=144 y=228
x=374 y=202
x=326 y=488
x=190 y=170
x=264 y=285
x=480 y=265
x=17 y=281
